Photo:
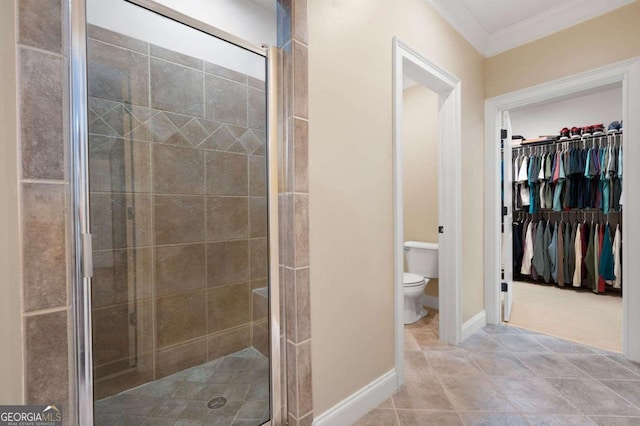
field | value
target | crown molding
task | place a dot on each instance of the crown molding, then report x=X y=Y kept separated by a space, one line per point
x=463 y=21
x=552 y=20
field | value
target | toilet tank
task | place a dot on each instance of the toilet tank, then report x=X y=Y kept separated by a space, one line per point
x=421 y=258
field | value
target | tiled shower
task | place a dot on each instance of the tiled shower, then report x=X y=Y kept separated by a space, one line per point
x=178 y=211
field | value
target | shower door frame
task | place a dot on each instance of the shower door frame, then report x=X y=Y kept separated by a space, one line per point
x=82 y=266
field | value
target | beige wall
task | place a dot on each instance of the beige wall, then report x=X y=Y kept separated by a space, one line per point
x=10 y=314
x=350 y=167
x=420 y=168
x=603 y=40
x=420 y=164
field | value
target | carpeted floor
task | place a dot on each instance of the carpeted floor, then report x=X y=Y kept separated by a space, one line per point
x=580 y=316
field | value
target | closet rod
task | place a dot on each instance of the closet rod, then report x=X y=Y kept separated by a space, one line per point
x=556 y=141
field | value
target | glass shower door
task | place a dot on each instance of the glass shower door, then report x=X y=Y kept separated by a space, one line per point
x=178 y=208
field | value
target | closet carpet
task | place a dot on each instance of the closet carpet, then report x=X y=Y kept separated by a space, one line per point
x=580 y=316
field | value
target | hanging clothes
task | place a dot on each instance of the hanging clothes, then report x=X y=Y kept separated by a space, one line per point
x=527 y=255
x=560 y=254
x=617 y=259
x=552 y=250
x=539 y=249
x=600 y=241
x=606 y=257
x=568 y=177
x=577 y=274
x=569 y=253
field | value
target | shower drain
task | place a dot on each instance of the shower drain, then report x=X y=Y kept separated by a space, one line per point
x=217 y=402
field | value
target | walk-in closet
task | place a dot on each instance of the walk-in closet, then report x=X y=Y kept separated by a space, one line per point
x=564 y=175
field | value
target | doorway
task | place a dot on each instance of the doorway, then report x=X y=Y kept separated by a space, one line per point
x=176 y=294
x=497 y=110
x=409 y=64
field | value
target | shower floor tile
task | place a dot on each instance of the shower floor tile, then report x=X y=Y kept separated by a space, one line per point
x=242 y=378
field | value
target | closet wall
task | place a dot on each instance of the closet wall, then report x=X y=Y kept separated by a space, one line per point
x=599 y=106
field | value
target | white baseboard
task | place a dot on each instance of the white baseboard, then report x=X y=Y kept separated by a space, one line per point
x=353 y=408
x=430 y=302
x=473 y=325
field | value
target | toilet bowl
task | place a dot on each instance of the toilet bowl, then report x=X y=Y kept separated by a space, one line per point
x=421 y=264
x=413 y=290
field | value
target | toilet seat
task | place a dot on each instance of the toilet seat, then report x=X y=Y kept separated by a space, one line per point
x=412 y=280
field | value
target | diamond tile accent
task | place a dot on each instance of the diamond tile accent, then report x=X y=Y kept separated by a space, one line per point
x=161 y=127
x=101 y=106
x=238 y=148
x=222 y=139
x=141 y=132
x=100 y=127
x=178 y=139
x=121 y=120
x=237 y=130
x=140 y=112
x=209 y=125
x=250 y=141
x=194 y=132
x=178 y=119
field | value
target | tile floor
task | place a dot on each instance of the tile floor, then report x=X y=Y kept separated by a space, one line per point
x=503 y=375
x=181 y=399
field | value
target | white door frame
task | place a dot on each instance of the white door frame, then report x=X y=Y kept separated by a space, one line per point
x=625 y=72
x=407 y=61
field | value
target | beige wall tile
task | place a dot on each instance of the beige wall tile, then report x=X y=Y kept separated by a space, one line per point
x=305 y=395
x=227 y=262
x=118 y=165
x=300 y=155
x=225 y=100
x=227 y=173
x=179 y=268
x=108 y=36
x=142 y=372
x=229 y=306
x=181 y=357
x=257 y=109
x=178 y=58
x=178 y=219
x=178 y=170
x=228 y=342
x=258 y=217
x=44 y=246
x=46 y=359
x=180 y=317
x=42 y=114
x=111 y=327
x=303 y=305
x=258 y=252
x=40 y=24
x=117 y=74
x=301 y=230
x=300 y=80
x=120 y=220
x=292 y=378
x=257 y=176
x=260 y=337
x=299 y=18
x=117 y=272
x=290 y=304
x=227 y=218
x=176 y=88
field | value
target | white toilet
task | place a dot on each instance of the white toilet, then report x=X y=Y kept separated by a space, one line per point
x=422 y=264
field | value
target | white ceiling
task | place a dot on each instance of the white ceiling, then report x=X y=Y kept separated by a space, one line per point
x=494 y=26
